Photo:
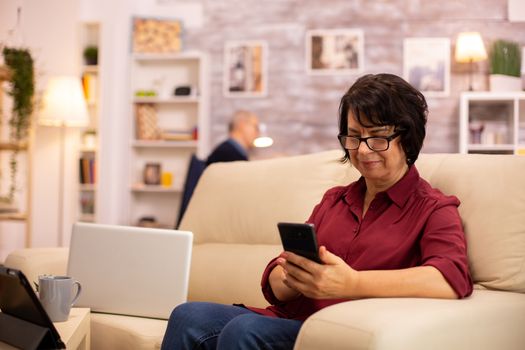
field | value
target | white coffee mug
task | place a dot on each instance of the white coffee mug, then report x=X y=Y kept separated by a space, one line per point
x=56 y=295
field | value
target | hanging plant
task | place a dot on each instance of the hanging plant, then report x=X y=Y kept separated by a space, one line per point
x=21 y=89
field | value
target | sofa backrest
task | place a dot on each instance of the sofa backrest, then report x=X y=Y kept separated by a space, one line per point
x=491 y=189
x=243 y=201
x=235 y=208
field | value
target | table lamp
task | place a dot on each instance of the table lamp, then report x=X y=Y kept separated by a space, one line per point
x=470 y=49
x=63 y=105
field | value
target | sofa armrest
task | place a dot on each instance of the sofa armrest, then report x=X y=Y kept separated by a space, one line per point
x=38 y=261
x=486 y=320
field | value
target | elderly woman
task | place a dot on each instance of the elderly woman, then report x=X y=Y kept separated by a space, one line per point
x=389 y=234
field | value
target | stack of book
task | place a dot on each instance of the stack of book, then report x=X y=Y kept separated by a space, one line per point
x=177 y=135
x=87 y=170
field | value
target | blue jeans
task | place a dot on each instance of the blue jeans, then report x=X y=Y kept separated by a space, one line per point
x=200 y=325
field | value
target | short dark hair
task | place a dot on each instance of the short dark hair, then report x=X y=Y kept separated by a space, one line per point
x=386 y=99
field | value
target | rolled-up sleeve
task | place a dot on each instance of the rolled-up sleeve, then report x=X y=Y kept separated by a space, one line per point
x=265 y=283
x=444 y=247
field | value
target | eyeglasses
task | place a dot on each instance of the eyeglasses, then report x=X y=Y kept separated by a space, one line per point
x=375 y=143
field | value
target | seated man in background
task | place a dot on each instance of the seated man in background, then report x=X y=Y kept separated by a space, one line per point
x=243 y=129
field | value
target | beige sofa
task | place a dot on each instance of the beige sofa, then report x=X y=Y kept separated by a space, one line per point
x=233 y=215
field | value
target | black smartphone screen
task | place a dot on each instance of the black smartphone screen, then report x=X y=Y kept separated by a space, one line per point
x=299 y=239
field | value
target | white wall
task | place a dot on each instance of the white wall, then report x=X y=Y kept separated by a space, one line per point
x=113 y=195
x=49 y=29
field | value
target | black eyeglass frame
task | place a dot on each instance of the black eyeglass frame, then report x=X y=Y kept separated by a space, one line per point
x=343 y=137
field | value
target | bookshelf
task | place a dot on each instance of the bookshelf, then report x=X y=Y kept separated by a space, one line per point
x=87 y=159
x=492 y=123
x=167 y=130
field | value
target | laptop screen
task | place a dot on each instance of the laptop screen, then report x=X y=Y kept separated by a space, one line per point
x=134 y=271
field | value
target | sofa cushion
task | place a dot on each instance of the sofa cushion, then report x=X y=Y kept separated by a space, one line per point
x=117 y=332
x=492 y=193
x=241 y=202
x=229 y=273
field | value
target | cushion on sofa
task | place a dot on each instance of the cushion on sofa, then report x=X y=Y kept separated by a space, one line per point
x=116 y=332
x=229 y=273
x=494 y=221
x=241 y=202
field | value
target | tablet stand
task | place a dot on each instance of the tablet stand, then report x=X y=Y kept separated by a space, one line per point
x=24 y=335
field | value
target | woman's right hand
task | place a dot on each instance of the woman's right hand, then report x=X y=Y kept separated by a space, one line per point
x=281 y=290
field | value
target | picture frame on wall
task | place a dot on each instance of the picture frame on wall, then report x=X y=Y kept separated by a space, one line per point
x=155 y=35
x=426 y=65
x=334 y=51
x=245 y=69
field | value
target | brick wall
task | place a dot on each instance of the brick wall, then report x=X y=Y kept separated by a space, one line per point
x=301 y=110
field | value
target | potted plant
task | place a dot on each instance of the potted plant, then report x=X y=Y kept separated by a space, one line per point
x=91 y=55
x=21 y=89
x=505 y=66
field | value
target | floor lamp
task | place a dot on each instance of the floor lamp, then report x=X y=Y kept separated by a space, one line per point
x=63 y=106
x=470 y=49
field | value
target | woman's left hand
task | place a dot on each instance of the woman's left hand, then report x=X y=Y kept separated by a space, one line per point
x=333 y=279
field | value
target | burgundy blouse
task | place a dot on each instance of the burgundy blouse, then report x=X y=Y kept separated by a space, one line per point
x=410 y=224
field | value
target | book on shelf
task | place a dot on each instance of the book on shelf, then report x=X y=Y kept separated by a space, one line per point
x=90 y=85
x=178 y=135
x=87 y=203
x=87 y=170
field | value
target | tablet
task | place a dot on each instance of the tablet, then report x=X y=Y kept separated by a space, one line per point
x=17 y=299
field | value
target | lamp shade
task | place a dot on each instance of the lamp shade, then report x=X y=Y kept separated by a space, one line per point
x=63 y=103
x=470 y=48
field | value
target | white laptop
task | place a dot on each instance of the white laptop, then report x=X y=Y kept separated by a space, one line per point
x=133 y=271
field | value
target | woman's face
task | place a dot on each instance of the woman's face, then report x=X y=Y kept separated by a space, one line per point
x=382 y=168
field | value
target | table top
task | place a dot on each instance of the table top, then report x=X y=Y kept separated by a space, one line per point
x=75 y=328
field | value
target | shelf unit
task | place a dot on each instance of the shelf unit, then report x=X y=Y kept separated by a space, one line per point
x=21 y=212
x=87 y=165
x=177 y=128
x=492 y=123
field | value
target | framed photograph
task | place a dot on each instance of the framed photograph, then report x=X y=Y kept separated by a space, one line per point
x=245 y=69
x=152 y=174
x=153 y=35
x=334 y=51
x=426 y=65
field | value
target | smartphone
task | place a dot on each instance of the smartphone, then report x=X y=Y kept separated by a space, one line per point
x=299 y=239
